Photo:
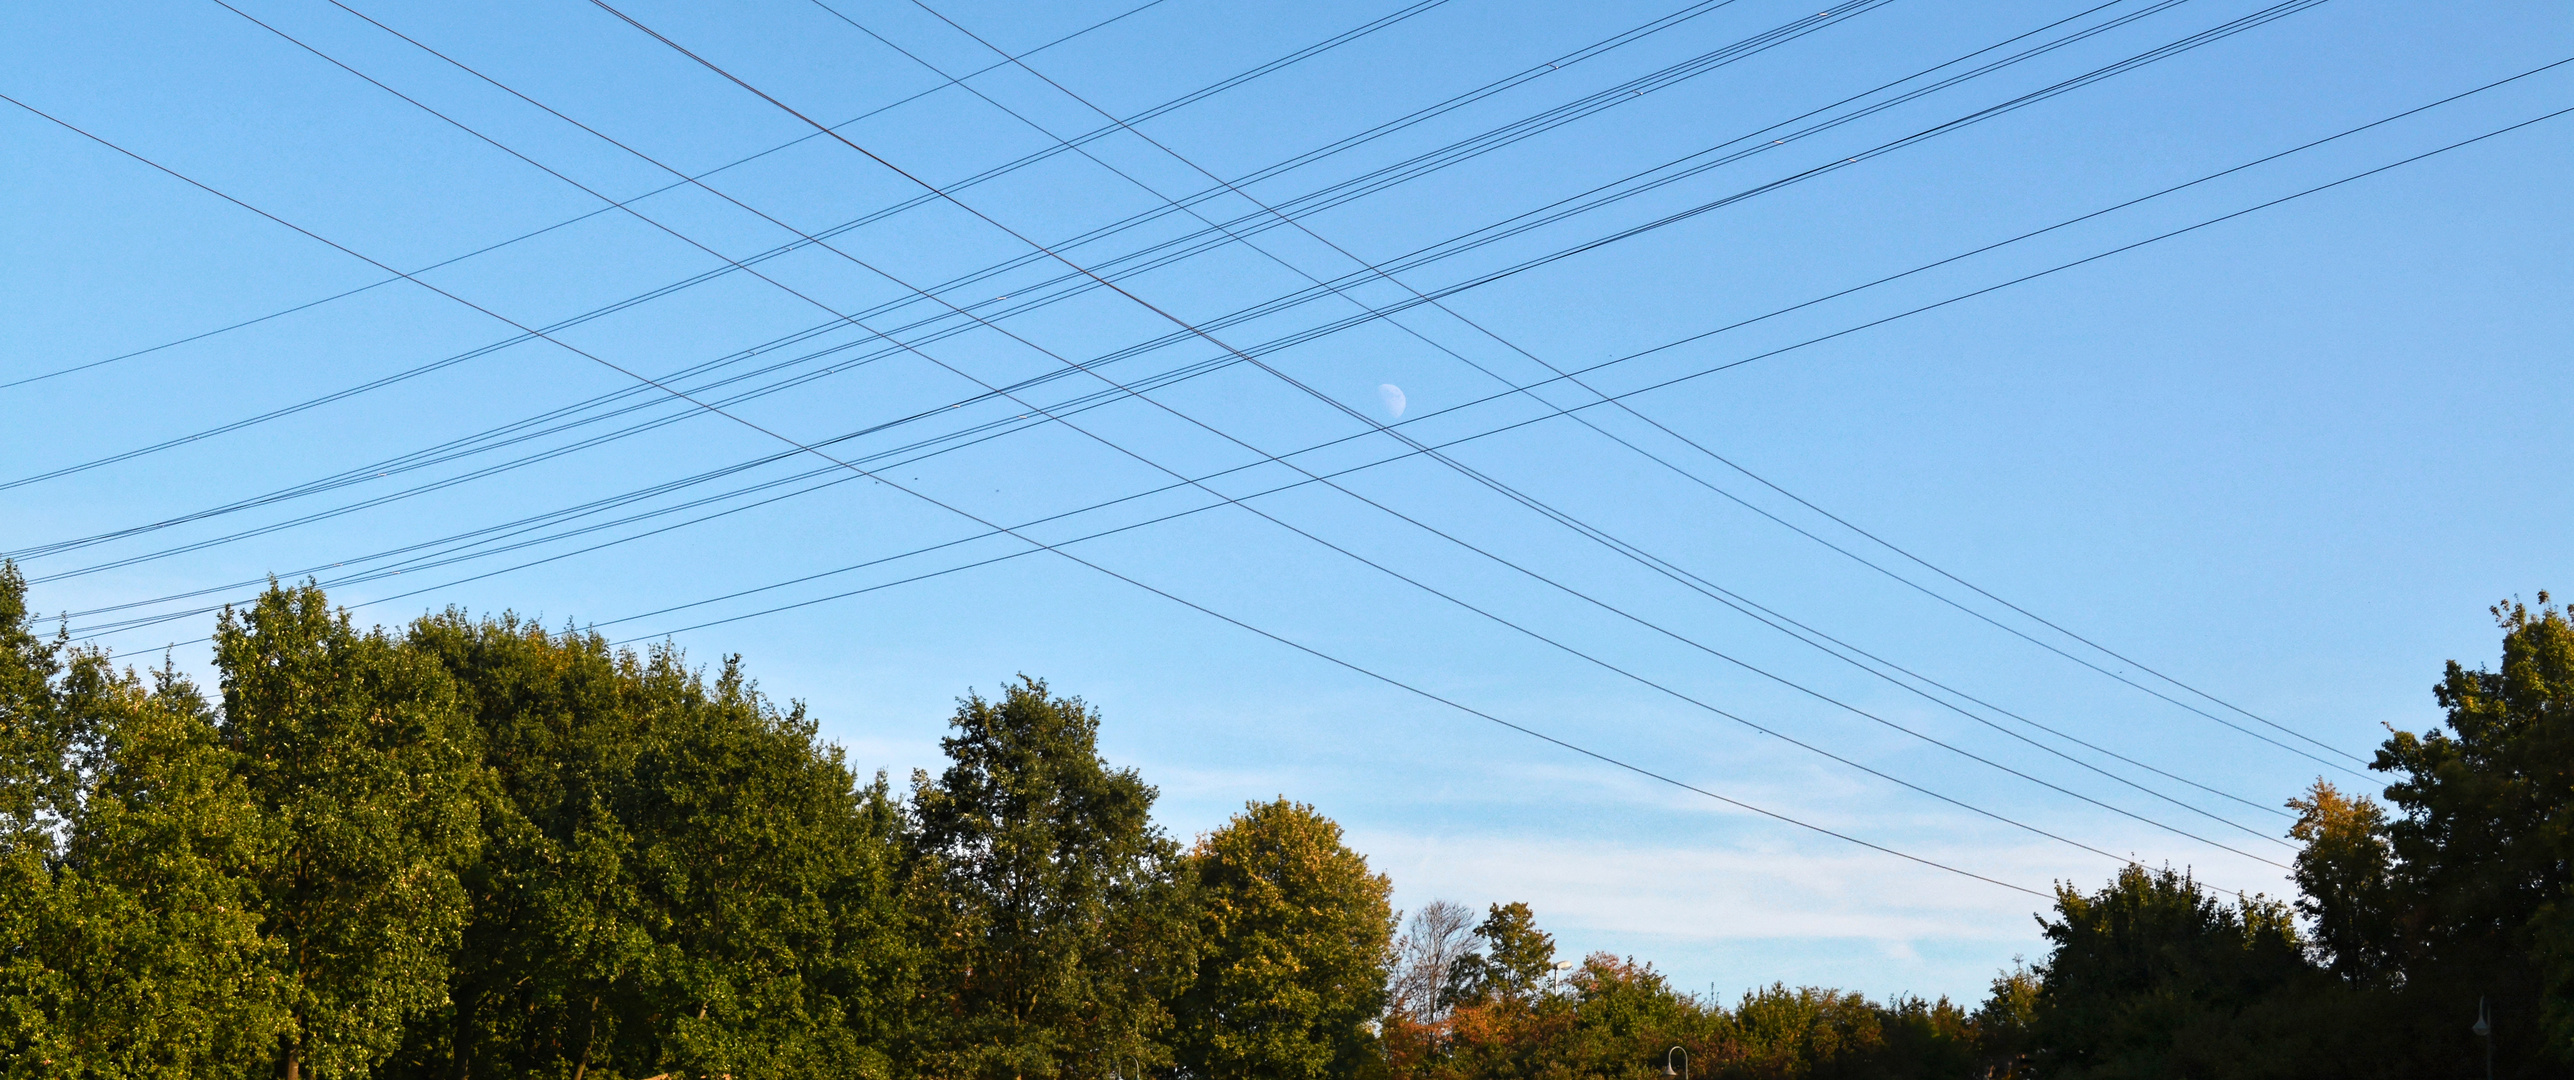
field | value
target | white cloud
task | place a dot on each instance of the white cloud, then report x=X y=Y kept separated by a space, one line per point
x=1717 y=893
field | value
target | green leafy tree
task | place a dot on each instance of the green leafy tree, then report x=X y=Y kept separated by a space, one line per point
x=2005 y=1023
x=2483 y=850
x=2152 y=976
x=1057 y=914
x=767 y=875
x=556 y=934
x=1514 y=962
x=1296 y=940
x=172 y=976
x=2343 y=881
x=35 y=735
x=128 y=945
x=1623 y=1019
x=676 y=876
x=362 y=766
x=34 y=744
x=1807 y=1031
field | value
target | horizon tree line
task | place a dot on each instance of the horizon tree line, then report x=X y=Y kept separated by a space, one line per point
x=471 y=847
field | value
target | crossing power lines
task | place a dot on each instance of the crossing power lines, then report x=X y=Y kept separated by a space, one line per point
x=661 y=401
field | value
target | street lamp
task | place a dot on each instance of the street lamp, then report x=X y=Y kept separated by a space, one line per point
x=2486 y=1030
x=1683 y=1073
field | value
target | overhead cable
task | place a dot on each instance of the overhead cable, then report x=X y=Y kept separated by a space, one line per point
x=1442 y=250
x=112 y=628
x=1766 y=616
x=1333 y=403
x=969 y=515
x=1364 y=29
x=1300 y=226
x=1447 y=249
x=1308 y=535
x=1594 y=50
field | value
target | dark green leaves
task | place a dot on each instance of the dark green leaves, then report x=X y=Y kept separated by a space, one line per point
x=677 y=876
x=362 y=764
x=1056 y=913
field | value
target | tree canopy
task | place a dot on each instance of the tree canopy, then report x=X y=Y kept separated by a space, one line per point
x=1295 y=936
x=473 y=847
x=1057 y=912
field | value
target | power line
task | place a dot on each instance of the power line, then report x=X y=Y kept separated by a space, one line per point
x=1588 y=52
x=1621 y=93
x=1618 y=94
x=987 y=430
x=2034 y=276
x=1221 y=85
x=1327 y=400
x=992 y=429
x=578 y=218
x=1344 y=551
x=740 y=397
x=1196 y=369
x=1193 y=370
x=1300 y=226
x=1764 y=615
x=969 y=515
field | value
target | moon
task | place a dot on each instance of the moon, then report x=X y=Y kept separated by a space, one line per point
x=1393 y=396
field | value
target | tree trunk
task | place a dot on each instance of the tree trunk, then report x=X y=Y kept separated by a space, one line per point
x=588 y=1040
x=460 y=1036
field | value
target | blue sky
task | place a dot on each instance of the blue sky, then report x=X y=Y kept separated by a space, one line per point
x=2287 y=459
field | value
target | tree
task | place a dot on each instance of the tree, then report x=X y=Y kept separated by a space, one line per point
x=1624 y=1018
x=1439 y=935
x=1789 y=1031
x=362 y=767
x=1295 y=933
x=766 y=873
x=128 y=944
x=1616 y=1018
x=675 y=876
x=556 y=941
x=1502 y=1020
x=33 y=749
x=2342 y=881
x=1056 y=913
x=1513 y=963
x=160 y=931
x=2152 y=976
x=2482 y=876
x=2004 y=1024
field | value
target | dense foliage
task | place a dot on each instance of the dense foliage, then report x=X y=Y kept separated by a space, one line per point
x=1056 y=914
x=1294 y=931
x=477 y=848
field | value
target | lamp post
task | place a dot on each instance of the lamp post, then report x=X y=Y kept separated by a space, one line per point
x=2486 y=1030
x=1683 y=1072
